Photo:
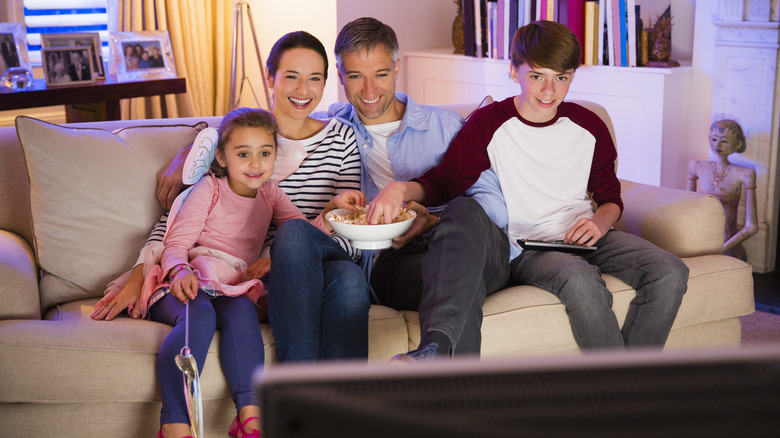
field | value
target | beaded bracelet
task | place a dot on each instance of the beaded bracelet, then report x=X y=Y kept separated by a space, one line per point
x=177 y=269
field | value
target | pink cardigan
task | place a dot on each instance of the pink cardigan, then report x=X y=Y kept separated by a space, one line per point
x=220 y=242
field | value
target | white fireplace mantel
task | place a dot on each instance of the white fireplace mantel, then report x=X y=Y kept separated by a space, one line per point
x=745 y=89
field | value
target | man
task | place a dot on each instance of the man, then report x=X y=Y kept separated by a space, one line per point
x=78 y=70
x=554 y=160
x=399 y=140
x=156 y=58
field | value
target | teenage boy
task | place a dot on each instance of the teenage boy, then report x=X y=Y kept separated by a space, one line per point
x=399 y=140
x=554 y=159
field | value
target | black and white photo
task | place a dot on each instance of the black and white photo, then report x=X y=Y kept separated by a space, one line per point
x=67 y=65
x=13 y=47
x=86 y=39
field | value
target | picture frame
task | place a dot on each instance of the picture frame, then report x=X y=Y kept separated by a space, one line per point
x=13 y=47
x=64 y=66
x=91 y=39
x=128 y=51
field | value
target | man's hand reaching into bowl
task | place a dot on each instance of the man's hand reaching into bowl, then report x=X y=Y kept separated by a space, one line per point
x=388 y=202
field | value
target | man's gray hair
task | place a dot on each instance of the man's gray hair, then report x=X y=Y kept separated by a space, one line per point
x=366 y=33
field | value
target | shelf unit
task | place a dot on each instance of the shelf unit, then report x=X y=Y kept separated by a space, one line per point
x=648 y=106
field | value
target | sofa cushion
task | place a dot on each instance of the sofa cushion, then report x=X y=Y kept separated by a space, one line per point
x=66 y=356
x=92 y=199
x=523 y=320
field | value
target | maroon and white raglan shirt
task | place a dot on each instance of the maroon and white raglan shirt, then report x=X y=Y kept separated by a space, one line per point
x=548 y=172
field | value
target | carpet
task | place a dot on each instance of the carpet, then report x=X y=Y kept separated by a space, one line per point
x=760 y=328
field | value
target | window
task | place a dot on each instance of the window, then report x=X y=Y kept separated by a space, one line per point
x=64 y=16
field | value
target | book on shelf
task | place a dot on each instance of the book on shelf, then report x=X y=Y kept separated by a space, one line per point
x=514 y=21
x=562 y=11
x=490 y=34
x=502 y=28
x=576 y=21
x=591 y=33
x=631 y=14
x=550 y=14
x=616 y=41
x=469 y=44
x=609 y=37
x=602 y=35
x=480 y=9
x=609 y=31
x=623 y=22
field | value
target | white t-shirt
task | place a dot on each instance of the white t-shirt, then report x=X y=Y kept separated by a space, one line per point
x=377 y=161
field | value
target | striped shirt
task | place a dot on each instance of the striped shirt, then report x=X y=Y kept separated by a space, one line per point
x=330 y=166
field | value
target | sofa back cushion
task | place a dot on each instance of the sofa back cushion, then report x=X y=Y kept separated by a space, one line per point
x=92 y=199
x=14 y=200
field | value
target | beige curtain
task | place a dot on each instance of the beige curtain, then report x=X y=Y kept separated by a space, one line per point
x=12 y=11
x=200 y=32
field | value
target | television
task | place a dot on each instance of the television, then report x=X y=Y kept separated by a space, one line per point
x=678 y=393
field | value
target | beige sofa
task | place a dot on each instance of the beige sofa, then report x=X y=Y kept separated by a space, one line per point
x=76 y=204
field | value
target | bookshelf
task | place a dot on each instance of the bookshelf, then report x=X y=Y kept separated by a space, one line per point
x=648 y=106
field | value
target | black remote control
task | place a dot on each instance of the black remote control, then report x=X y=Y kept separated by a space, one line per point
x=554 y=245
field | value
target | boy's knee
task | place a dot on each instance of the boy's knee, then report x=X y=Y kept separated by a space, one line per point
x=673 y=271
x=583 y=283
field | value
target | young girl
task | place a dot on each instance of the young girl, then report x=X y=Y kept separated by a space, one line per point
x=216 y=234
x=324 y=314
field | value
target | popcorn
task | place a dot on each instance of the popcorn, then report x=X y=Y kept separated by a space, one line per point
x=359 y=217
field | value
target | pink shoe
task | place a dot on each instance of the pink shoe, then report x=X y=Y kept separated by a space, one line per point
x=237 y=429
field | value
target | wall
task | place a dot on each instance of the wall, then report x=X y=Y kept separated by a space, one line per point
x=701 y=79
x=272 y=19
x=430 y=26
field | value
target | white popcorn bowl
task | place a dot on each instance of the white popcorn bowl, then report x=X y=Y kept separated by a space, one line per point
x=378 y=236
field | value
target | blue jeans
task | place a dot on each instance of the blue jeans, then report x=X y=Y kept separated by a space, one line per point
x=449 y=276
x=318 y=299
x=241 y=347
x=659 y=278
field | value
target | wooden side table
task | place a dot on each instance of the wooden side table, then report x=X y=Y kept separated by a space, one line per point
x=91 y=102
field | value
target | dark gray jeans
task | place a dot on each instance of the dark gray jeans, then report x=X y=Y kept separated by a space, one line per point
x=467 y=258
x=659 y=278
x=447 y=274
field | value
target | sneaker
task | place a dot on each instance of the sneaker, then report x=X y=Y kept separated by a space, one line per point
x=427 y=353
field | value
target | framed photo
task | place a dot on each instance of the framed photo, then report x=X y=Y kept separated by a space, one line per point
x=90 y=39
x=142 y=55
x=13 y=47
x=64 y=66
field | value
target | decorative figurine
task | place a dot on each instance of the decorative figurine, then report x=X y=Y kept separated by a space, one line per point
x=661 y=42
x=725 y=181
x=457 y=30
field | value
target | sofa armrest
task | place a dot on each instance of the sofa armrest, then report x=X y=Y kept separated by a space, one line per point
x=684 y=223
x=19 y=296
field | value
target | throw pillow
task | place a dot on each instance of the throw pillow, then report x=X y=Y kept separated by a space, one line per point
x=92 y=199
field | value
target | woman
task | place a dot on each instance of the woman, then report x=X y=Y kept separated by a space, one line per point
x=131 y=61
x=318 y=297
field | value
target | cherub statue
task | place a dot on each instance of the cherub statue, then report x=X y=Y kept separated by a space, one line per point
x=725 y=181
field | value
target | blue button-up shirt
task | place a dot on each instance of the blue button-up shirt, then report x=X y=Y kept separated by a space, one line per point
x=418 y=145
